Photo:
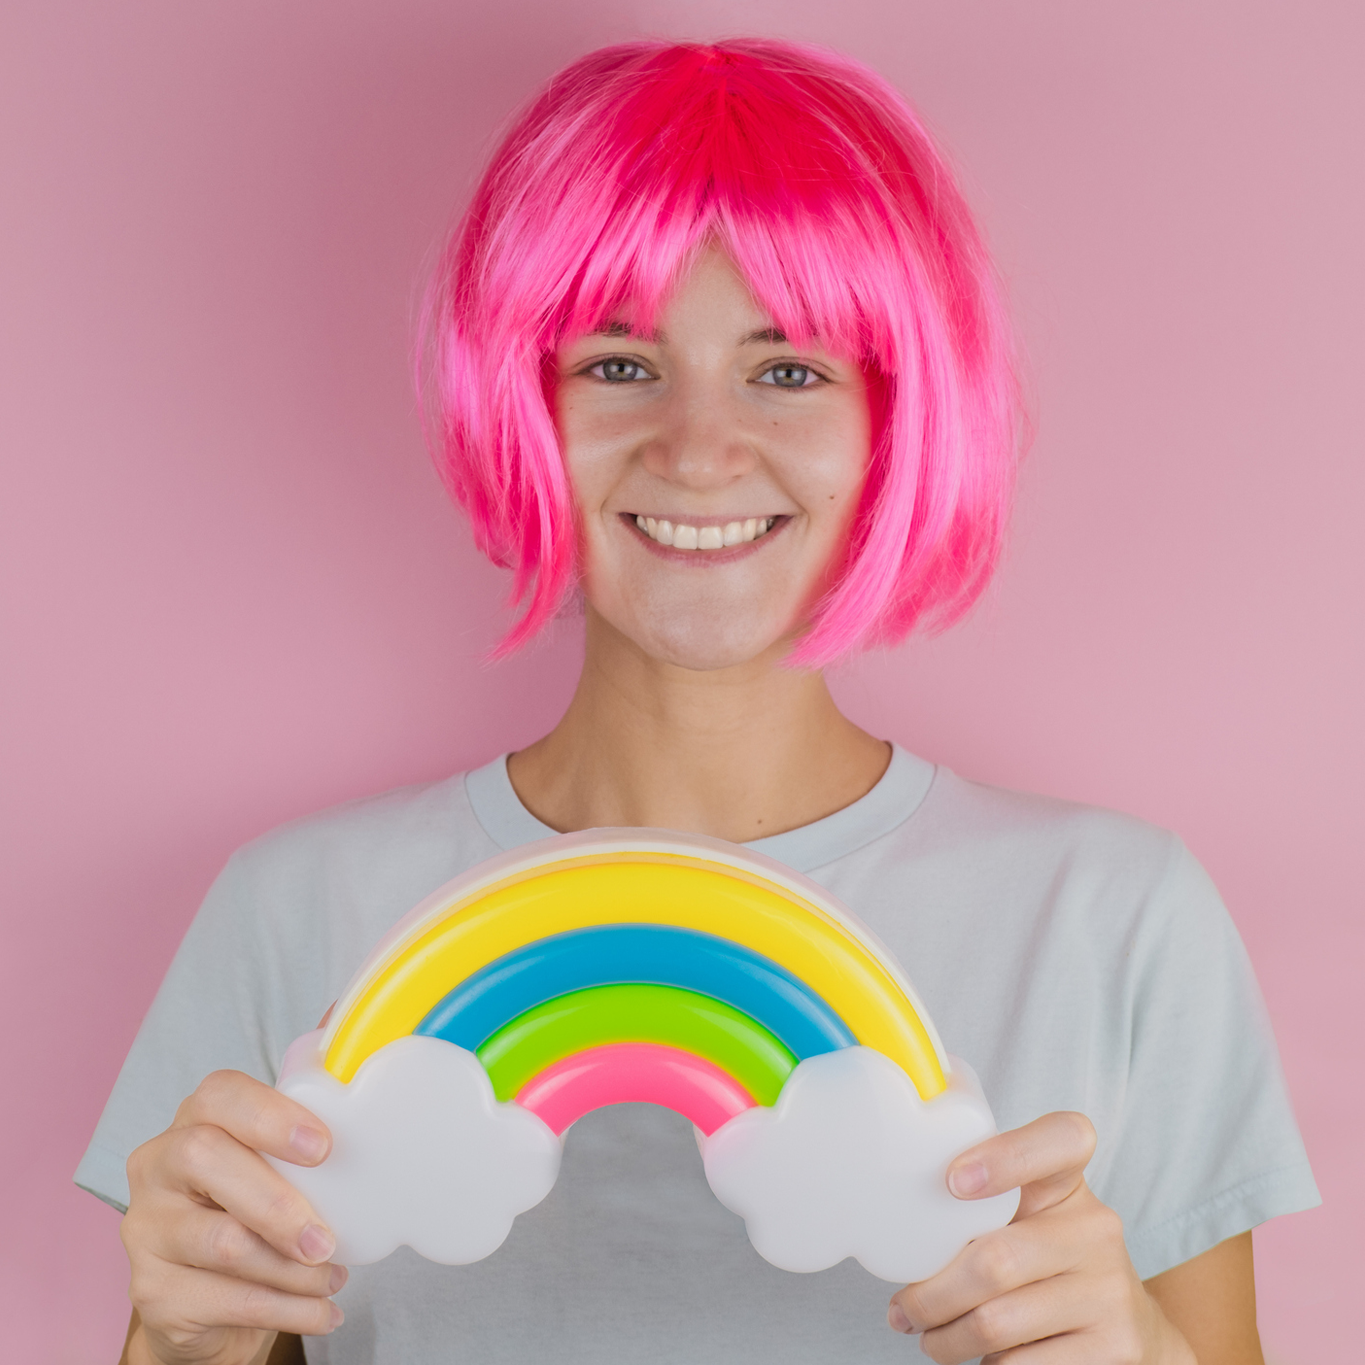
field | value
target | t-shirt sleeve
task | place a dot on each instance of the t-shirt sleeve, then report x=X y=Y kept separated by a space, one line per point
x=1208 y=1147
x=219 y=1006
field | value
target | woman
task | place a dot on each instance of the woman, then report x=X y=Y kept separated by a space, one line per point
x=717 y=347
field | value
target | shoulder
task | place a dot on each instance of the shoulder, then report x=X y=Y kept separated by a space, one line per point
x=976 y=834
x=1033 y=830
x=1023 y=876
x=1086 y=854
x=334 y=881
x=427 y=825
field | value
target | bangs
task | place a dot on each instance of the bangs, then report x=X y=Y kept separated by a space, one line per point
x=816 y=179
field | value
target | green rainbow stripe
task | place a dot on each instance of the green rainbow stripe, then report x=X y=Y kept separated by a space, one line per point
x=667 y=1015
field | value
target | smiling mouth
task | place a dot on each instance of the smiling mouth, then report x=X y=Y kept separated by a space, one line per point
x=682 y=536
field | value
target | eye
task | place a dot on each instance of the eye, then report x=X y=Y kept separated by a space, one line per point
x=619 y=369
x=789 y=376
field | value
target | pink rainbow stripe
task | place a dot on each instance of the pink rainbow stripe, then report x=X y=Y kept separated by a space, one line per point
x=644 y=1072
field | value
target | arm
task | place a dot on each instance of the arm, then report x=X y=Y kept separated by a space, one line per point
x=1057 y=1286
x=1212 y=1300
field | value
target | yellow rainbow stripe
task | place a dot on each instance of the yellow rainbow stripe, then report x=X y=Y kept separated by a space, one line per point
x=411 y=975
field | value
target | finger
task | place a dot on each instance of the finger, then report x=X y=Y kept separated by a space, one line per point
x=257 y=1116
x=1054 y=1310
x=1052 y=1243
x=212 y=1240
x=165 y=1225
x=206 y=1164
x=1047 y=1158
x=205 y=1300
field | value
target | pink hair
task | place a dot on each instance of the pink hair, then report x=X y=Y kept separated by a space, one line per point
x=822 y=185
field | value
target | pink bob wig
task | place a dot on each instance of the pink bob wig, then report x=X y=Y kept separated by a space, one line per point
x=826 y=191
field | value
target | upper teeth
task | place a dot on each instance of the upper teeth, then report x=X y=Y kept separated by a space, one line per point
x=684 y=537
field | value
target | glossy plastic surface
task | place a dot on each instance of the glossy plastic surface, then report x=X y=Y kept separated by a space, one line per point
x=650 y=877
x=616 y=966
x=616 y=954
x=707 y=1028
x=640 y=1072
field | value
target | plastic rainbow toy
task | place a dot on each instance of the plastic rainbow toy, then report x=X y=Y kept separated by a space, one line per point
x=639 y=965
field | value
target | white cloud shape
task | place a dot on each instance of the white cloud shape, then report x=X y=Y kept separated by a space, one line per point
x=423 y=1153
x=851 y=1162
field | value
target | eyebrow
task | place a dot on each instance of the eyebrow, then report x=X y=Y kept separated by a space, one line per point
x=771 y=336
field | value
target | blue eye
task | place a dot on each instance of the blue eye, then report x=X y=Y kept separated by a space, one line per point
x=789 y=376
x=619 y=370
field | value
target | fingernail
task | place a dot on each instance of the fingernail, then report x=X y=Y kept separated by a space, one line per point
x=896 y=1319
x=339 y=1277
x=338 y=1317
x=965 y=1180
x=308 y=1142
x=316 y=1243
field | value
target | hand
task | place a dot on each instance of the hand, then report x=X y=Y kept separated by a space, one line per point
x=223 y=1250
x=1055 y=1286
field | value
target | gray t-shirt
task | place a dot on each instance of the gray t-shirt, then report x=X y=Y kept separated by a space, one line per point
x=1078 y=959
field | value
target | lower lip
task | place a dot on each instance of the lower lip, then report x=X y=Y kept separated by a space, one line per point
x=703 y=558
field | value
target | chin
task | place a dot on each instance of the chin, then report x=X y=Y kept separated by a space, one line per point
x=704 y=648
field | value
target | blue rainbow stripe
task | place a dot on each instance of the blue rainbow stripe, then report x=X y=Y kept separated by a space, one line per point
x=655 y=954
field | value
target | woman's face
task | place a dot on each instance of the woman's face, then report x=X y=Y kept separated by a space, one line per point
x=716 y=472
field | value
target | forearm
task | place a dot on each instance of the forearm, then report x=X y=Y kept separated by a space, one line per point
x=1211 y=1300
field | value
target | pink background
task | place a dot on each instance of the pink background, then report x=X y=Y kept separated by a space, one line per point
x=232 y=592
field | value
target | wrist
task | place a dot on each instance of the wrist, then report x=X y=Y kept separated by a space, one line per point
x=137 y=1350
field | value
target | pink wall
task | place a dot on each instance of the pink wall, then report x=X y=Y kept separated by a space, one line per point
x=232 y=593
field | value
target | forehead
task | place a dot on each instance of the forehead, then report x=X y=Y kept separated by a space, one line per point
x=712 y=297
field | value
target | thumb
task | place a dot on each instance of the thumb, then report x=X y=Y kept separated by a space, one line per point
x=1046 y=1159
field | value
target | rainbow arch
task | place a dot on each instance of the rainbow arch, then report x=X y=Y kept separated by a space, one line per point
x=615 y=965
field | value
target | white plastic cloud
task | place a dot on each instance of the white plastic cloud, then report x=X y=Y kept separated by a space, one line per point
x=851 y=1162
x=423 y=1153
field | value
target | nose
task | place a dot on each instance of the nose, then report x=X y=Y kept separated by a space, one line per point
x=700 y=443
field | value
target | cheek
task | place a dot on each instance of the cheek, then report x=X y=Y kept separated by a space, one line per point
x=596 y=448
x=577 y=449
x=832 y=475
x=591 y=475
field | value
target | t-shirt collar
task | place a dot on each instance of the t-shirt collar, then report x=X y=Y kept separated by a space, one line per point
x=896 y=797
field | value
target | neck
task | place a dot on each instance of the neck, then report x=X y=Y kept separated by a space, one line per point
x=739 y=753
